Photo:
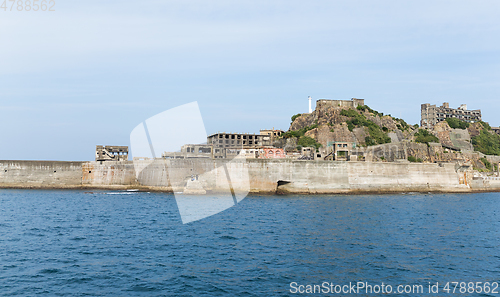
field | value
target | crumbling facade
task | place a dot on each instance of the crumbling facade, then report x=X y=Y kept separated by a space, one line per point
x=111 y=153
x=189 y=151
x=431 y=115
x=238 y=140
x=340 y=104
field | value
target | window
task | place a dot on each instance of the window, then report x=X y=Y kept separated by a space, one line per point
x=232 y=136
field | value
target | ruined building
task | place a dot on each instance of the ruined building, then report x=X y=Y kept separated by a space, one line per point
x=343 y=104
x=238 y=140
x=431 y=115
x=111 y=153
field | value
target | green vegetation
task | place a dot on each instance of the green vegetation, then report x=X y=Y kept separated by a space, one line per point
x=296 y=116
x=424 y=136
x=377 y=135
x=302 y=140
x=366 y=107
x=486 y=125
x=299 y=133
x=401 y=124
x=457 y=124
x=487 y=143
x=414 y=160
x=486 y=163
x=350 y=113
x=416 y=126
x=306 y=141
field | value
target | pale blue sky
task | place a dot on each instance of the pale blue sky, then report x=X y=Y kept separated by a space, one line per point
x=89 y=72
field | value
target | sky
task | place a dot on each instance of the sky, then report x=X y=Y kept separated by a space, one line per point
x=87 y=73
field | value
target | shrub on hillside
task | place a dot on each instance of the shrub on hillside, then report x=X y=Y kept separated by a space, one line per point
x=457 y=124
x=487 y=143
x=306 y=141
x=424 y=136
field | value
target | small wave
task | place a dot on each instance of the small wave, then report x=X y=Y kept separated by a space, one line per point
x=50 y=271
x=120 y=193
x=228 y=237
x=142 y=288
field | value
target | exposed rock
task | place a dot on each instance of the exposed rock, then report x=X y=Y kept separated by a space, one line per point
x=475 y=129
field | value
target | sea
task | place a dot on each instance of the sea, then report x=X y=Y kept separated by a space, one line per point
x=116 y=243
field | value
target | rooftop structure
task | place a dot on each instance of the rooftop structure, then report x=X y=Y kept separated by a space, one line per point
x=111 y=153
x=431 y=115
x=340 y=104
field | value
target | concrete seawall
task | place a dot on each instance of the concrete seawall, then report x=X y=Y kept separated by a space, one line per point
x=265 y=176
x=40 y=174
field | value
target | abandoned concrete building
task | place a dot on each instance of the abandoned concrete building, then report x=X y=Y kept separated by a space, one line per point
x=111 y=153
x=344 y=104
x=496 y=130
x=272 y=133
x=189 y=151
x=238 y=140
x=431 y=115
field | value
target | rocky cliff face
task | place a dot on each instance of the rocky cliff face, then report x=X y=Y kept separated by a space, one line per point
x=332 y=125
x=360 y=125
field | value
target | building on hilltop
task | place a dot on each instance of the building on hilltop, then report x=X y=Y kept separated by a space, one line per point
x=496 y=130
x=341 y=104
x=431 y=115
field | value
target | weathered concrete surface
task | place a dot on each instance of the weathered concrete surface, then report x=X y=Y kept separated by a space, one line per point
x=40 y=174
x=109 y=173
x=264 y=176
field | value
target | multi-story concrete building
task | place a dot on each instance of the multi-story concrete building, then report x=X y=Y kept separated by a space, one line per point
x=238 y=140
x=431 y=115
x=496 y=130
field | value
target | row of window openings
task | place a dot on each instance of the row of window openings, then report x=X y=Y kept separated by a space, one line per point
x=452 y=116
x=237 y=136
x=250 y=142
x=200 y=150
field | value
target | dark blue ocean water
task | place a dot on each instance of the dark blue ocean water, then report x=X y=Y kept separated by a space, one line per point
x=62 y=243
